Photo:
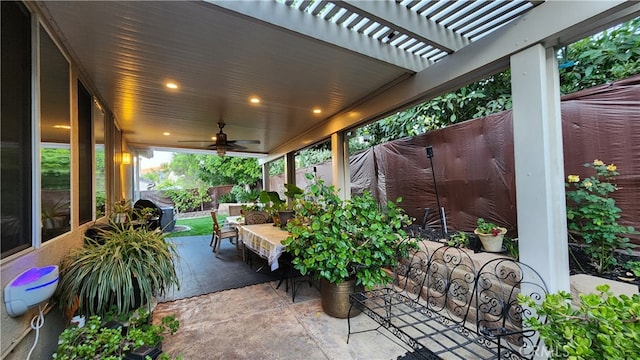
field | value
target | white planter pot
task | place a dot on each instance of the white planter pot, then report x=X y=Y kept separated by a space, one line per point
x=492 y=243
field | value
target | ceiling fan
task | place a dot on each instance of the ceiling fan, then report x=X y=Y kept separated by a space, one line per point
x=221 y=144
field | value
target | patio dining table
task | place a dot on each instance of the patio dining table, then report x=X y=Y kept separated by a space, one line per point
x=264 y=240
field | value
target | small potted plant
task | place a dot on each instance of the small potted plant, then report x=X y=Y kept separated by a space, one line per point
x=111 y=339
x=121 y=211
x=490 y=234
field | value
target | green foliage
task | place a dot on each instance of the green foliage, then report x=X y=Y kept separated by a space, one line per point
x=336 y=240
x=95 y=341
x=313 y=156
x=458 y=239
x=55 y=168
x=611 y=55
x=102 y=275
x=240 y=194
x=634 y=267
x=272 y=202
x=188 y=199
x=101 y=200
x=227 y=198
x=604 y=326
x=215 y=170
x=512 y=247
x=276 y=167
x=592 y=215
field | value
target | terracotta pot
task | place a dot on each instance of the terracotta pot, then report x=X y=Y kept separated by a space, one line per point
x=335 y=298
x=491 y=243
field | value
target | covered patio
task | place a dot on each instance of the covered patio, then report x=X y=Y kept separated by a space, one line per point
x=263 y=79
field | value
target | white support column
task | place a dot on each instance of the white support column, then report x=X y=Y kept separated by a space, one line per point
x=341 y=173
x=539 y=165
x=265 y=176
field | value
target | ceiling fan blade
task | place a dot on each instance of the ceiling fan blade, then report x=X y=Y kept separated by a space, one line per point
x=244 y=141
x=227 y=147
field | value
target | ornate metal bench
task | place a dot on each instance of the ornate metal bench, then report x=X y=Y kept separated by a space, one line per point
x=442 y=307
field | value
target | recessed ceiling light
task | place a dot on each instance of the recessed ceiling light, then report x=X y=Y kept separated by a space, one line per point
x=166 y=133
x=172 y=85
x=67 y=127
x=317 y=110
x=213 y=138
x=255 y=100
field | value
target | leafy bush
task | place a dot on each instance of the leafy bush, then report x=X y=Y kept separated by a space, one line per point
x=337 y=239
x=185 y=200
x=243 y=196
x=226 y=198
x=602 y=327
x=593 y=216
x=458 y=239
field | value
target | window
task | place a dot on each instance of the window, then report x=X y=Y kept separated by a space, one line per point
x=85 y=154
x=55 y=149
x=15 y=146
x=99 y=154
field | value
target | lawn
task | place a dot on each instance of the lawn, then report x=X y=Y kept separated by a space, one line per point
x=199 y=226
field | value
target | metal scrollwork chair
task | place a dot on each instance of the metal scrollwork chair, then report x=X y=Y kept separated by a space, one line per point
x=222 y=232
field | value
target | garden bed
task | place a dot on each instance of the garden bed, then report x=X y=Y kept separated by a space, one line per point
x=579 y=263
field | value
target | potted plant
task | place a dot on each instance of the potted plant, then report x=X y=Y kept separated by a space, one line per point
x=490 y=234
x=127 y=270
x=121 y=211
x=110 y=339
x=277 y=207
x=272 y=204
x=345 y=243
x=286 y=213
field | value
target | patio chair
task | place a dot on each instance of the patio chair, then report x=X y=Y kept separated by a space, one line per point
x=252 y=218
x=222 y=232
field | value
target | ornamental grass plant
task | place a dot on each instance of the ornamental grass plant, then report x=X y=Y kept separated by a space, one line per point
x=127 y=270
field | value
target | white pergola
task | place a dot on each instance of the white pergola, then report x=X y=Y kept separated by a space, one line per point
x=359 y=60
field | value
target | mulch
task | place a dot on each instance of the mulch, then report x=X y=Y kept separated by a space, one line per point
x=579 y=263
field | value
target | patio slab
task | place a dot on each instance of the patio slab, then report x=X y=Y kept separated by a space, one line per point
x=261 y=322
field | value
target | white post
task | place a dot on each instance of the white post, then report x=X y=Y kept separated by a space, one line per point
x=539 y=165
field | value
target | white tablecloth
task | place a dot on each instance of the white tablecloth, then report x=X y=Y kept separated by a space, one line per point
x=265 y=240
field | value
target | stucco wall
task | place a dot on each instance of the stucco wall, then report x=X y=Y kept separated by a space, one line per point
x=13 y=329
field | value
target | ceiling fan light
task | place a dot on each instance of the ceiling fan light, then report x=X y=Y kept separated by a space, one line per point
x=221 y=151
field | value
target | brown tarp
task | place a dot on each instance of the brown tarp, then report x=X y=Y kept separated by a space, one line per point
x=474 y=163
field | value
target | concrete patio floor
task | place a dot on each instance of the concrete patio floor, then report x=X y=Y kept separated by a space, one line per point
x=261 y=322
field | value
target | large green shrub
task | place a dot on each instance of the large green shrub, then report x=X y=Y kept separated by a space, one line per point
x=604 y=326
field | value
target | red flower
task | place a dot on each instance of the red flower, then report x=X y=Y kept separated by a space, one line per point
x=495 y=231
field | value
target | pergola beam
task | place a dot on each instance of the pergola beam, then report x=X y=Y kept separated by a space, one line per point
x=321 y=30
x=408 y=22
x=564 y=23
